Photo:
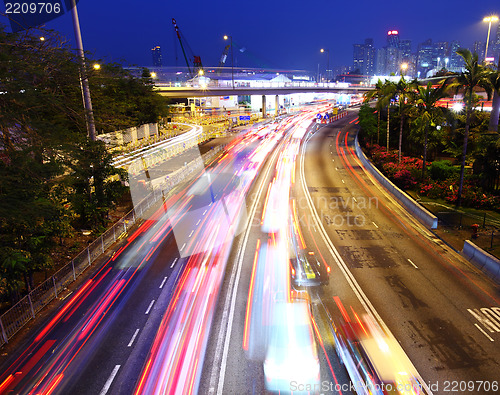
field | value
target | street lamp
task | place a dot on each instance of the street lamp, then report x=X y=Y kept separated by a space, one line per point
x=489 y=19
x=232 y=59
x=327 y=63
x=404 y=67
x=96 y=66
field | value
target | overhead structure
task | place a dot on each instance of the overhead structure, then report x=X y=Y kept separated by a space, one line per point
x=196 y=63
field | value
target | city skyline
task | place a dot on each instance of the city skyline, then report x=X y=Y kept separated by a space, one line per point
x=276 y=35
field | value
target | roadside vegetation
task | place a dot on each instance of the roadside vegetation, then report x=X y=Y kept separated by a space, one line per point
x=435 y=151
x=54 y=181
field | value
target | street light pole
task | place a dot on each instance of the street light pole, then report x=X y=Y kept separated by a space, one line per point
x=232 y=58
x=489 y=19
x=87 y=103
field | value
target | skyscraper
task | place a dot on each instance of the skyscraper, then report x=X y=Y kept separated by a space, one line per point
x=479 y=48
x=364 y=57
x=456 y=60
x=156 y=52
x=393 y=39
x=439 y=54
x=424 y=57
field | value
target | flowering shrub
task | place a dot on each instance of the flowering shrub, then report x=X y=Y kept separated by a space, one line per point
x=406 y=175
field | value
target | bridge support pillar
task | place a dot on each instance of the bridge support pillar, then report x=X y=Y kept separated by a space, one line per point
x=264 y=106
x=276 y=105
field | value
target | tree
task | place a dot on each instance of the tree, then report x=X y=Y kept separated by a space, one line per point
x=96 y=185
x=426 y=100
x=474 y=75
x=121 y=101
x=405 y=92
x=367 y=121
x=384 y=93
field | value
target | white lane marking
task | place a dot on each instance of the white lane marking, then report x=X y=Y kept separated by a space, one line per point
x=484 y=333
x=204 y=212
x=133 y=338
x=415 y=266
x=105 y=389
x=184 y=245
x=198 y=222
x=363 y=299
x=163 y=282
x=230 y=302
x=191 y=233
x=375 y=224
x=149 y=307
x=343 y=182
x=173 y=263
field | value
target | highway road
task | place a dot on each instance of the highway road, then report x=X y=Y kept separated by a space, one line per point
x=251 y=277
x=442 y=311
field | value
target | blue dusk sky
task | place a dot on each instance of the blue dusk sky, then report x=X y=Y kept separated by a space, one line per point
x=267 y=33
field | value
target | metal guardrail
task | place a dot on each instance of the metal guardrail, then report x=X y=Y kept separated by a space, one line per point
x=29 y=306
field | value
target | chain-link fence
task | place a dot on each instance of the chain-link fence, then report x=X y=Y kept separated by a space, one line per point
x=26 y=309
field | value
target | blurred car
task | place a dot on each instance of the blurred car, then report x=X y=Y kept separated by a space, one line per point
x=375 y=361
x=307 y=270
x=291 y=362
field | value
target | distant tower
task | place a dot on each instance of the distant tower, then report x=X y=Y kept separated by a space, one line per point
x=393 y=39
x=156 y=52
x=364 y=57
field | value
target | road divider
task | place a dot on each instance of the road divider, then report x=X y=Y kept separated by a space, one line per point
x=481 y=259
x=424 y=216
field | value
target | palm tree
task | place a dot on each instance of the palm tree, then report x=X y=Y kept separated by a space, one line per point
x=384 y=93
x=426 y=98
x=405 y=92
x=474 y=75
x=376 y=94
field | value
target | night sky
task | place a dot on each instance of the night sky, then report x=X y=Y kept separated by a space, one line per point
x=273 y=34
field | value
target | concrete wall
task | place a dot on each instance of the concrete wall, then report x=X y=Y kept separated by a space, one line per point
x=480 y=258
x=424 y=216
x=130 y=135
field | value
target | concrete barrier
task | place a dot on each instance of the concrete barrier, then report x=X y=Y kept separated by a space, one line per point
x=484 y=261
x=423 y=215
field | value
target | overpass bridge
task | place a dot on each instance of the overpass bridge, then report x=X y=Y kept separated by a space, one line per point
x=186 y=91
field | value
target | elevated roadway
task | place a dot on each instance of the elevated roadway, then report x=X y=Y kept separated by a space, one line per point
x=187 y=91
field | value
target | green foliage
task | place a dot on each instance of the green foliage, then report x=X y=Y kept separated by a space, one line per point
x=367 y=121
x=121 y=101
x=95 y=183
x=442 y=170
x=51 y=177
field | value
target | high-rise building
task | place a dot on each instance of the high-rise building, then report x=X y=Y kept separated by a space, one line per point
x=156 y=52
x=393 y=39
x=364 y=57
x=405 y=48
x=424 y=57
x=439 y=54
x=456 y=61
x=495 y=45
x=479 y=48
x=380 y=61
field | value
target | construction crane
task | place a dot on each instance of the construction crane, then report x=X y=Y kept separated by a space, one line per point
x=196 y=59
x=223 y=58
